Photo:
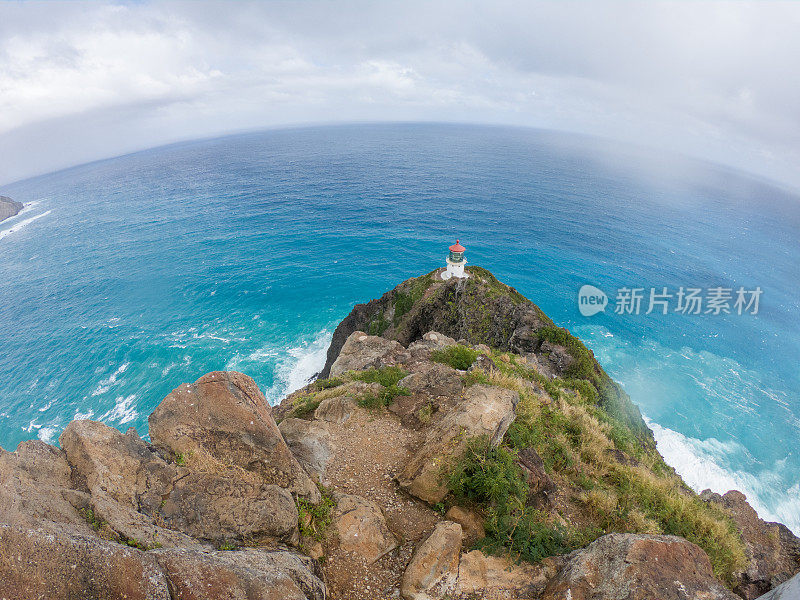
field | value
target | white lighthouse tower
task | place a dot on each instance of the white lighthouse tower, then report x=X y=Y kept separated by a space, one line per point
x=455 y=262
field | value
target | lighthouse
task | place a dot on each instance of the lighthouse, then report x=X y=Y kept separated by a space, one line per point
x=455 y=262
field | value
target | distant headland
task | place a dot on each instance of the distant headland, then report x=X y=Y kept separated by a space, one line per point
x=8 y=208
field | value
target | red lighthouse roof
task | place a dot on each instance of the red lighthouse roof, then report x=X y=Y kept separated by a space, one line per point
x=457 y=247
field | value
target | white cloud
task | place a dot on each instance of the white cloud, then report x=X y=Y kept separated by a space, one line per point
x=80 y=81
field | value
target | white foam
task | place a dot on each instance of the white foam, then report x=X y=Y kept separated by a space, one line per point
x=109 y=381
x=294 y=367
x=701 y=464
x=124 y=410
x=22 y=224
x=46 y=434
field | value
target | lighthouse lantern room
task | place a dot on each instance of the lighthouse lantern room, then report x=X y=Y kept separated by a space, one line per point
x=455 y=262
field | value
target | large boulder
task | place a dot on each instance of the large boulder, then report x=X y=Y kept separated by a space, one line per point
x=627 y=566
x=251 y=574
x=57 y=562
x=494 y=577
x=224 y=416
x=773 y=551
x=362 y=528
x=433 y=570
x=485 y=411
x=310 y=442
x=35 y=487
x=362 y=351
x=116 y=466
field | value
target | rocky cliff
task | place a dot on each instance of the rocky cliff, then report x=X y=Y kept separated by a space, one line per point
x=459 y=445
x=8 y=208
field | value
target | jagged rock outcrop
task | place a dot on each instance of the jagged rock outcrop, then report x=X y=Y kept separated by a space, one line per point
x=248 y=573
x=773 y=552
x=8 y=207
x=225 y=417
x=52 y=563
x=310 y=443
x=628 y=566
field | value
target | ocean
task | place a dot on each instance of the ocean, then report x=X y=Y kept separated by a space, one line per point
x=124 y=278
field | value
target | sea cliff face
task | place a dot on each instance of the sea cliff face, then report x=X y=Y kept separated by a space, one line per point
x=8 y=208
x=457 y=445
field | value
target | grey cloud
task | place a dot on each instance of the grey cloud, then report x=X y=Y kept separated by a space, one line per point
x=713 y=80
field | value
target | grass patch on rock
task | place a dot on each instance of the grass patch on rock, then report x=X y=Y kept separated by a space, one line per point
x=459 y=357
x=388 y=377
x=315 y=519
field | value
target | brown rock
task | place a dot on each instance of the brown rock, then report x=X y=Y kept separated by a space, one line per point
x=434 y=379
x=471 y=524
x=225 y=507
x=310 y=442
x=55 y=563
x=125 y=480
x=433 y=569
x=335 y=410
x=362 y=351
x=773 y=551
x=493 y=577
x=251 y=574
x=626 y=566
x=540 y=485
x=431 y=341
x=119 y=467
x=485 y=410
x=362 y=528
x=33 y=482
x=225 y=415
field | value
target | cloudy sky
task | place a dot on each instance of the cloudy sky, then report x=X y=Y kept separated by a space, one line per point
x=82 y=81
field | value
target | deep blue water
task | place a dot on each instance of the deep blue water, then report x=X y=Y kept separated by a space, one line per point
x=127 y=277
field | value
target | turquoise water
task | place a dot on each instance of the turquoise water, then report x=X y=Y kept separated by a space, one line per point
x=126 y=277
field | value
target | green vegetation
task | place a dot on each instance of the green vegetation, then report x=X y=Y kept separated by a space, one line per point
x=314 y=519
x=388 y=377
x=378 y=325
x=305 y=405
x=96 y=523
x=180 y=458
x=458 y=356
x=228 y=545
x=491 y=477
x=617 y=477
x=405 y=299
x=326 y=384
x=496 y=287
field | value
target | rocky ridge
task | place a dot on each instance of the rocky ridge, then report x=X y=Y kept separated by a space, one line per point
x=497 y=464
